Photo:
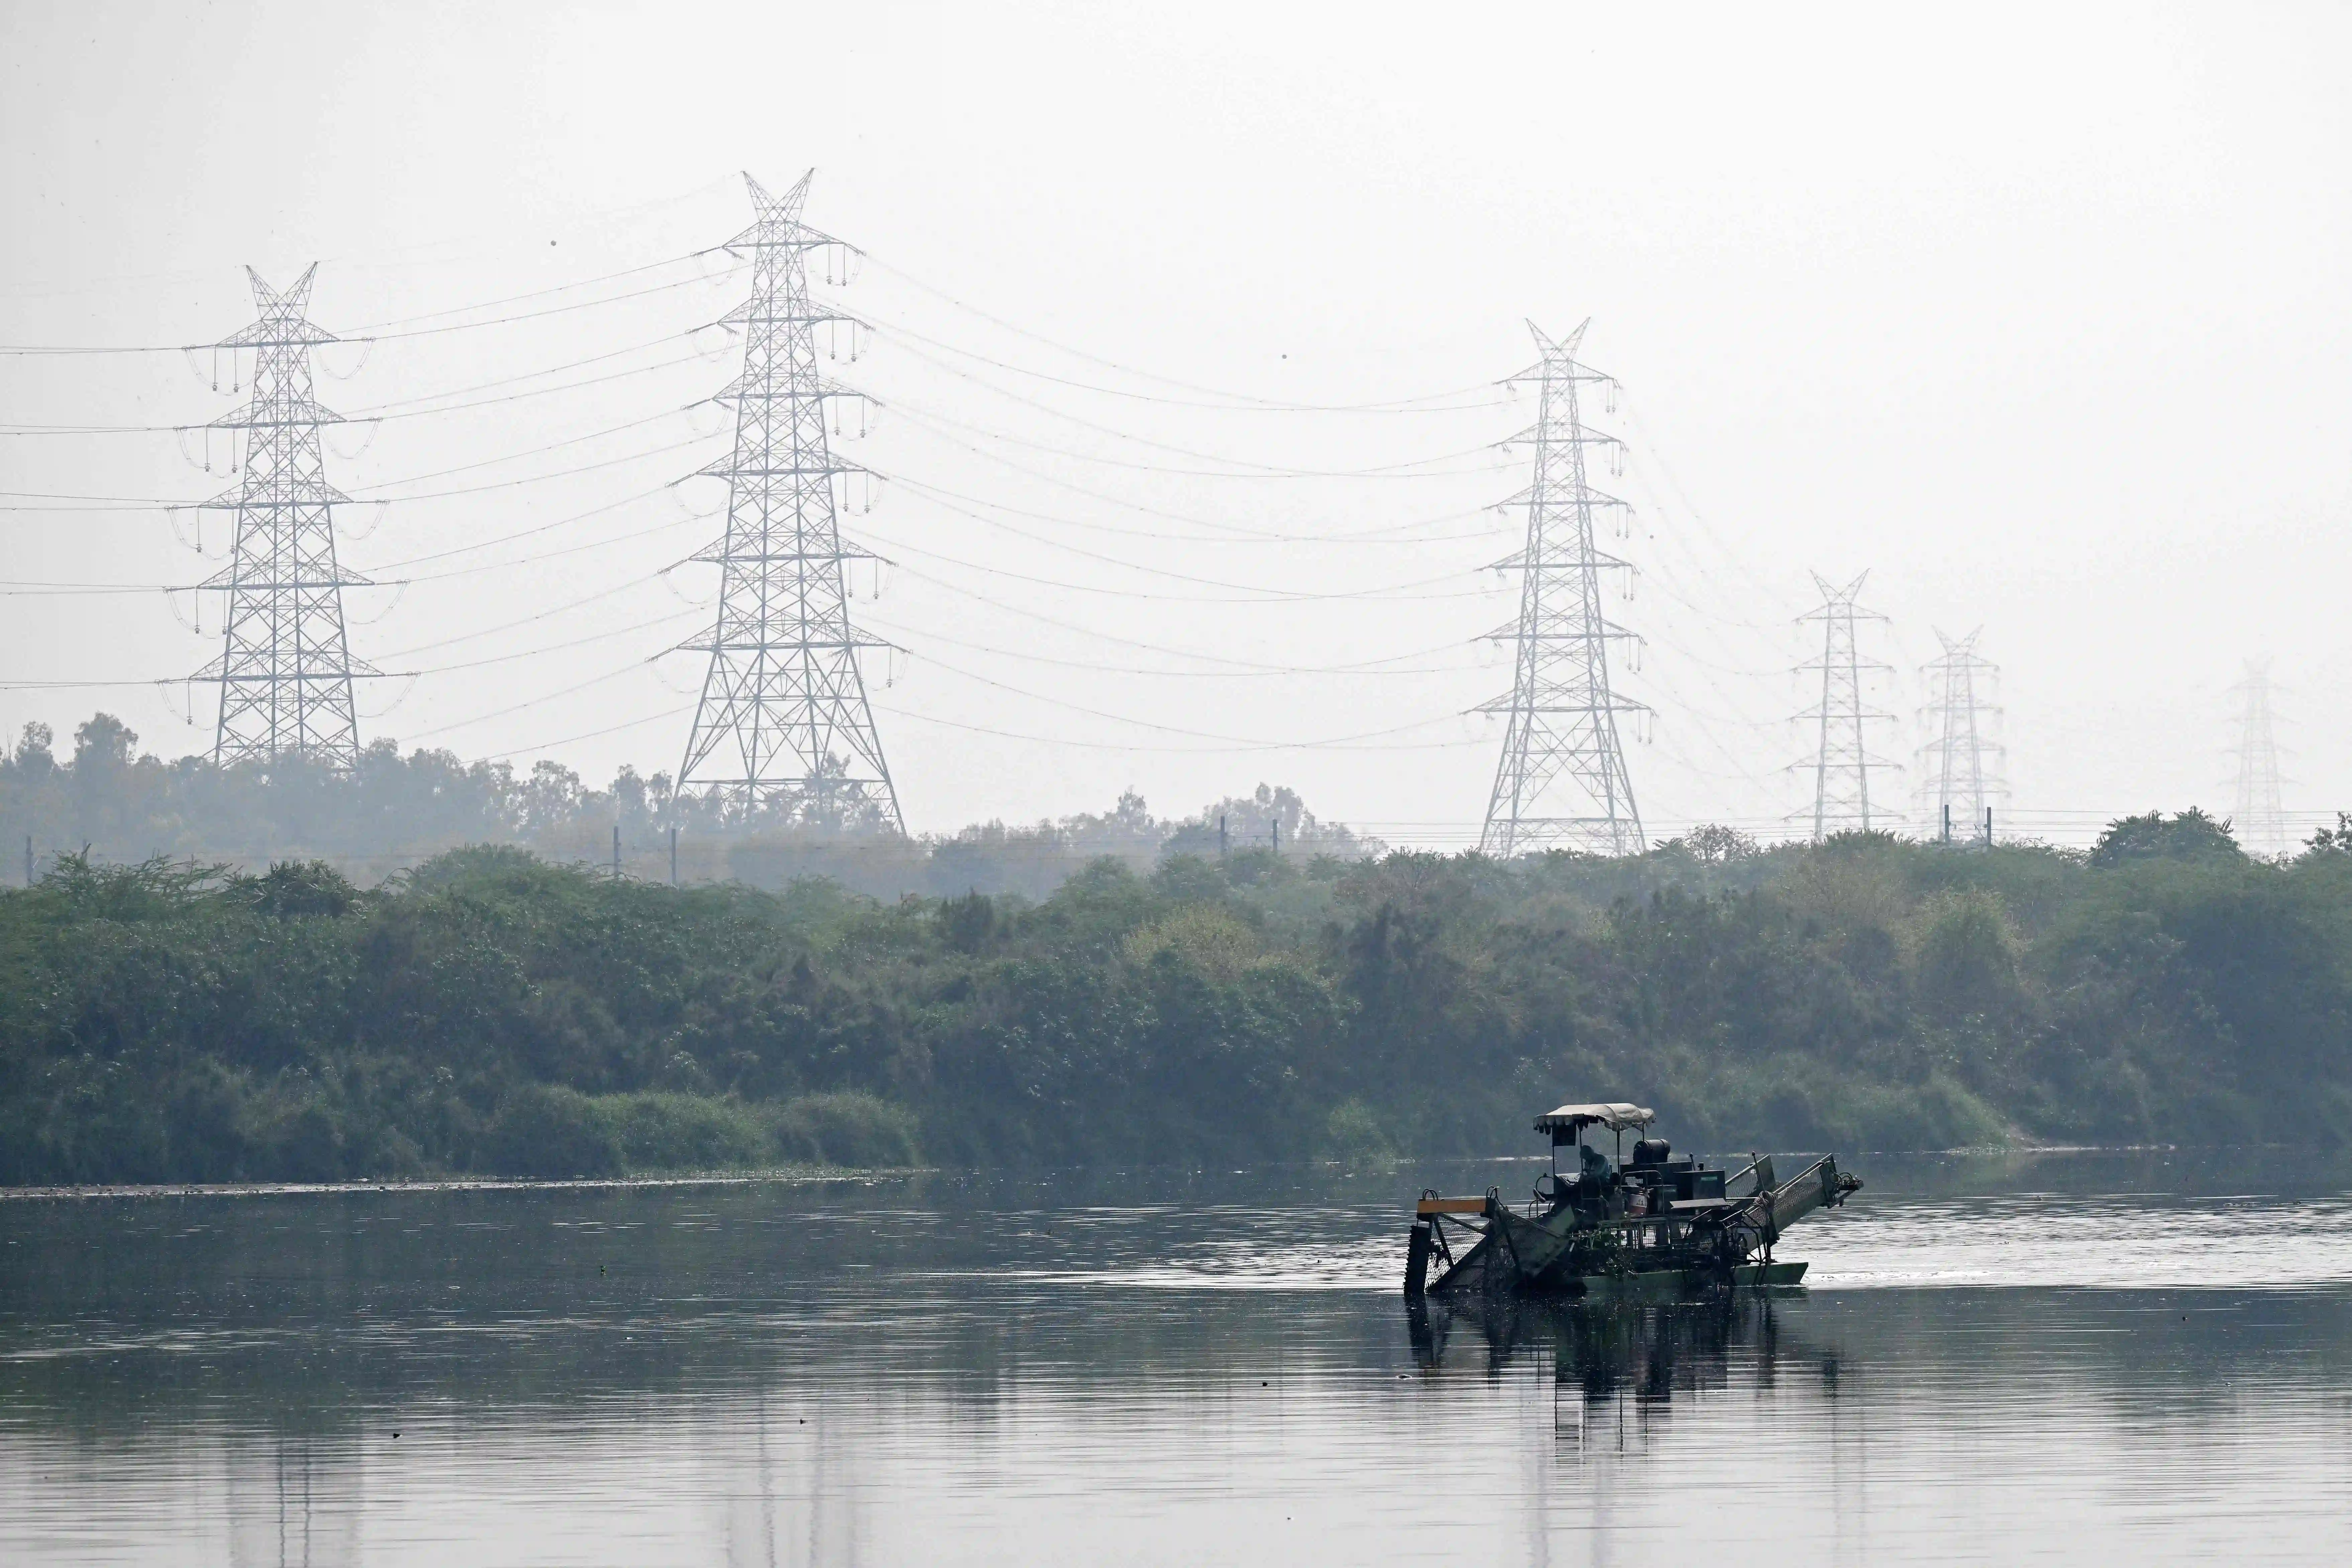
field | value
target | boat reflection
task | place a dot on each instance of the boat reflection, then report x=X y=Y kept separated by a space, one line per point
x=1647 y=1355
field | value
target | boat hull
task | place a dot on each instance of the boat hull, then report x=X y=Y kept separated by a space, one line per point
x=1541 y=1257
x=1681 y=1284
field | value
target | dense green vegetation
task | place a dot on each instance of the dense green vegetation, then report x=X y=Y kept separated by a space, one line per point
x=492 y=1012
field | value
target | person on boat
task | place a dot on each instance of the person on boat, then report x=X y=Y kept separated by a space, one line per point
x=1593 y=1169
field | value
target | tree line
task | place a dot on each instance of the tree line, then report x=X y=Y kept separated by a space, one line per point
x=392 y=813
x=492 y=1011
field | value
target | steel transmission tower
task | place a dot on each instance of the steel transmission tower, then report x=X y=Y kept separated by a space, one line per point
x=1561 y=782
x=285 y=669
x=1841 y=761
x=1961 y=772
x=783 y=725
x=2260 y=820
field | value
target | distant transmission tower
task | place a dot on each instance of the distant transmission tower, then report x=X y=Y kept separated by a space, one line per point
x=1842 y=763
x=1561 y=782
x=783 y=724
x=2260 y=821
x=1960 y=764
x=285 y=669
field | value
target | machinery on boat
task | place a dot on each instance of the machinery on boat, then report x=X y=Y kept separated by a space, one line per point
x=1656 y=1227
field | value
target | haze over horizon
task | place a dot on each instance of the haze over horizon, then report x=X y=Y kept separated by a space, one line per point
x=2042 y=320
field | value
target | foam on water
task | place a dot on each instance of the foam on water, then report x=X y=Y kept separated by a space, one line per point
x=2119 y=1240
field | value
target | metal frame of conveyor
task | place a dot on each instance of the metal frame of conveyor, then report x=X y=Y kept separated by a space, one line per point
x=1429 y=1240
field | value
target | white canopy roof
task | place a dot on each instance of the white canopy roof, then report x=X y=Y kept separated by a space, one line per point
x=1615 y=1116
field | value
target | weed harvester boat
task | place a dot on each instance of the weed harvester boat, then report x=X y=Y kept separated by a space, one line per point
x=1653 y=1228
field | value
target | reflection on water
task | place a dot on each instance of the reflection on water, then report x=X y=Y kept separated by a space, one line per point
x=1598 y=1354
x=2081 y=1358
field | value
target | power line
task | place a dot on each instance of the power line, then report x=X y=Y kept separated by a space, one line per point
x=1271 y=672
x=996 y=603
x=544 y=446
x=152 y=503
x=535 y=616
x=1412 y=470
x=403 y=408
x=1342 y=744
x=669 y=618
x=639 y=722
x=35 y=589
x=1191 y=734
x=1059 y=483
x=545 y=528
x=1234 y=534
x=1111 y=430
x=376 y=262
x=1227 y=532
x=561 y=288
x=1257 y=593
x=1237 y=401
x=535 y=701
x=376 y=336
x=1394 y=592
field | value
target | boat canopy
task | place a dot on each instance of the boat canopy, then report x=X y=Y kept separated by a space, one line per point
x=1617 y=1118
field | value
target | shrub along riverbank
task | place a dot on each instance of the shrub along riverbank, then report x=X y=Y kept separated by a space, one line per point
x=491 y=1013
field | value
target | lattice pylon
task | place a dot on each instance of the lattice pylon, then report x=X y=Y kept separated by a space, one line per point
x=1960 y=770
x=1842 y=762
x=784 y=727
x=1562 y=782
x=286 y=669
x=2260 y=817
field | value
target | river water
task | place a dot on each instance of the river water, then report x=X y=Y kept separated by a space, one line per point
x=2078 y=1357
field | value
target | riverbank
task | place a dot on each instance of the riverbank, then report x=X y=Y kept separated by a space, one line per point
x=806 y=1175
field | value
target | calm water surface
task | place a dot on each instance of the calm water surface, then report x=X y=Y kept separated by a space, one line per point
x=2078 y=1357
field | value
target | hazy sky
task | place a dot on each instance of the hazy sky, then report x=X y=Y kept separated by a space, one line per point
x=2043 y=316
